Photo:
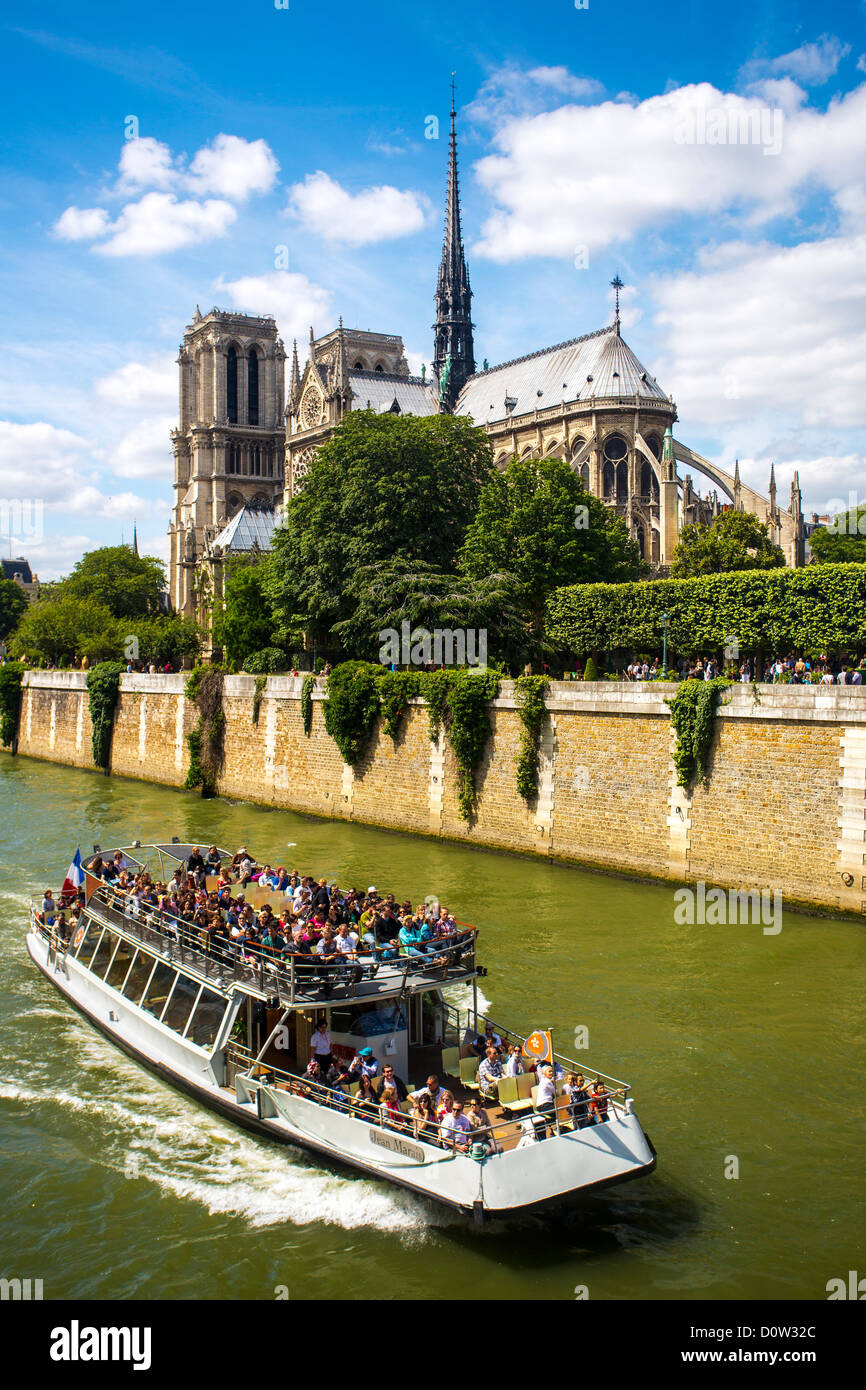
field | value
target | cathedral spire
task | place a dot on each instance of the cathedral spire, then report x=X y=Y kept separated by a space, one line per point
x=453 y=348
x=294 y=378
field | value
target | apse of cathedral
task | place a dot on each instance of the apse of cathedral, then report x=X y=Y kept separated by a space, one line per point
x=245 y=442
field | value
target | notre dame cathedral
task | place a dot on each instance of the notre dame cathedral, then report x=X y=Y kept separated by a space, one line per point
x=243 y=444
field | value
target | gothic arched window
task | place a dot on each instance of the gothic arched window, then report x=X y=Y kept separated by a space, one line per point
x=608 y=481
x=622 y=482
x=253 y=388
x=232 y=386
x=584 y=473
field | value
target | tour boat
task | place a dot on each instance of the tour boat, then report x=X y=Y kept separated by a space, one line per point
x=234 y=1033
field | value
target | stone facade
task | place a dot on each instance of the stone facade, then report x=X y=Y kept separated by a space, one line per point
x=783 y=808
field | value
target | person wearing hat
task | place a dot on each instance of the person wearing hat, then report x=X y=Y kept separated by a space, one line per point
x=363 y=1064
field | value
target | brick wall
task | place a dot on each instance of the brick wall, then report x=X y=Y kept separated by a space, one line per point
x=784 y=806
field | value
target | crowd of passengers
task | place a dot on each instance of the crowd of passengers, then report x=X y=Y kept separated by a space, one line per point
x=332 y=935
x=437 y=1115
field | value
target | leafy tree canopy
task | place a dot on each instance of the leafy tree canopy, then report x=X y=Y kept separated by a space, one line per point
x=58 y=630
x=734 y=541
x=114 y=577
x=246 y=624
x=13 y=601
x=843 y=541
x=394 y=592
x=382 y=486
x=539 y=523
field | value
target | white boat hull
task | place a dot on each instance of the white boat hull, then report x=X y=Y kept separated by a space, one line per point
x=502 y=1185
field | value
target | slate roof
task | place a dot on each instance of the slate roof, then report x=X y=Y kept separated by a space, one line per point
x=414 y=396
x=19 y=567
x=558 y=374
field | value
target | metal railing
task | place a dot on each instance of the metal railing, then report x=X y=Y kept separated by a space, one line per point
x=302 y=978
x=501 y=1133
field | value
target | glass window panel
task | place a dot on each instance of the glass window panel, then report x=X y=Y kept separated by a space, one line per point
x=180 y=1004
x=104 y=952
x=138 y=976
x=158 y=989
x=206 y=1019
x=119 y=966
x=93 y=937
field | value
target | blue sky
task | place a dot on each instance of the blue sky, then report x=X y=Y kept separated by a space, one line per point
x=714 y=156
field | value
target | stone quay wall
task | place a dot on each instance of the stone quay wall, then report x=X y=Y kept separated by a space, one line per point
x=783 y=806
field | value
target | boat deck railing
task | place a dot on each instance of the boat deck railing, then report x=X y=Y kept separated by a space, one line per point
x=293 y=979
x=504 y=1134
x=459 y=1030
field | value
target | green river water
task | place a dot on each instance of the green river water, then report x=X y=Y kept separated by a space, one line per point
x=736 y=1043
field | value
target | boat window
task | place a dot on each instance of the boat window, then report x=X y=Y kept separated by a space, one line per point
x=93 y=938
x=138 y=976
x=180 y=1004
x=120 y=965
x=206 y=1019
x=158 y=990
x=104 y=952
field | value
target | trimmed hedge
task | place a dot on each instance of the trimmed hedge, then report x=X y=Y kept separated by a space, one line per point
x=817 y=608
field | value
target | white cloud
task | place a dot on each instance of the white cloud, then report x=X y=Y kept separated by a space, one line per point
x=161 y=219
x=329 y=211
x=152 y=383
x=144 y=450
x=512 y=91
x=234 y=168
x=82 y=224
x=158 y=222
x=811 y=63
x=578 y=175
x=41 y=462
x=295 y=302
x=769 y=331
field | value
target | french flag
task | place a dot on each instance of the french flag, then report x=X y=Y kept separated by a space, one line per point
x=75 y=877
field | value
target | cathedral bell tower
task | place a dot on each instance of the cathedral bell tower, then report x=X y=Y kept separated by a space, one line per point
x=230 y=441
x=453 y=348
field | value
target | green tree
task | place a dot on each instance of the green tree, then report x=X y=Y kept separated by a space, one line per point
x=538 y=522
x=114 y=577
x=246 y=624
x=13 y=601
x=843 y=541
x=734 y=541
x=395 y=592
x=382 y=486
x=164 y=638
x=59 y=630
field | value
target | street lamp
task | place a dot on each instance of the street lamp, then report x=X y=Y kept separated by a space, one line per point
x=664 y=646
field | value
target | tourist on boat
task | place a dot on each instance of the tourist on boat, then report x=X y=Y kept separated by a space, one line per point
x=195 y=862
x=425 y=1123
x=514 y=1065
x=390 y=1114
x=489 y=1074
x=365 y=1100
x=545 y=1101
x=314 y=1072
x=320 y=1045
x=433 y=1090
x=598 y=1103
x=49 y=908
x=479 y=1123
x=578 y=1101
x=363 y=1064
x=454 y=1128
x=389 y=1078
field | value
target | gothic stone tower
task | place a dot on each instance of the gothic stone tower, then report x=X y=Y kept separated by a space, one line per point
x=230 y=441
x=453 y=348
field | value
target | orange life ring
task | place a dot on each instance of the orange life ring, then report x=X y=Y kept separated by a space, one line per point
x=537 y=1046
x=78 y=938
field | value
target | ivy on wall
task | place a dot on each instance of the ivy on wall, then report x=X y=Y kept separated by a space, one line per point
x=467 y=723
x=261 y=682
x=103 y=684
x=10 y=701
x=206 y=740
x=529 y=692
x=307 y=703
x=396 y=689
x=693 y=717
x=351 y=707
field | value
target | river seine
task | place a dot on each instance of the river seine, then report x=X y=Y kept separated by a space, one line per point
x=745 y=1051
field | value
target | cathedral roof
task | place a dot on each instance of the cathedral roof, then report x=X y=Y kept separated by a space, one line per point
x=598 y=366
x=248 y=527
x=381 y=389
